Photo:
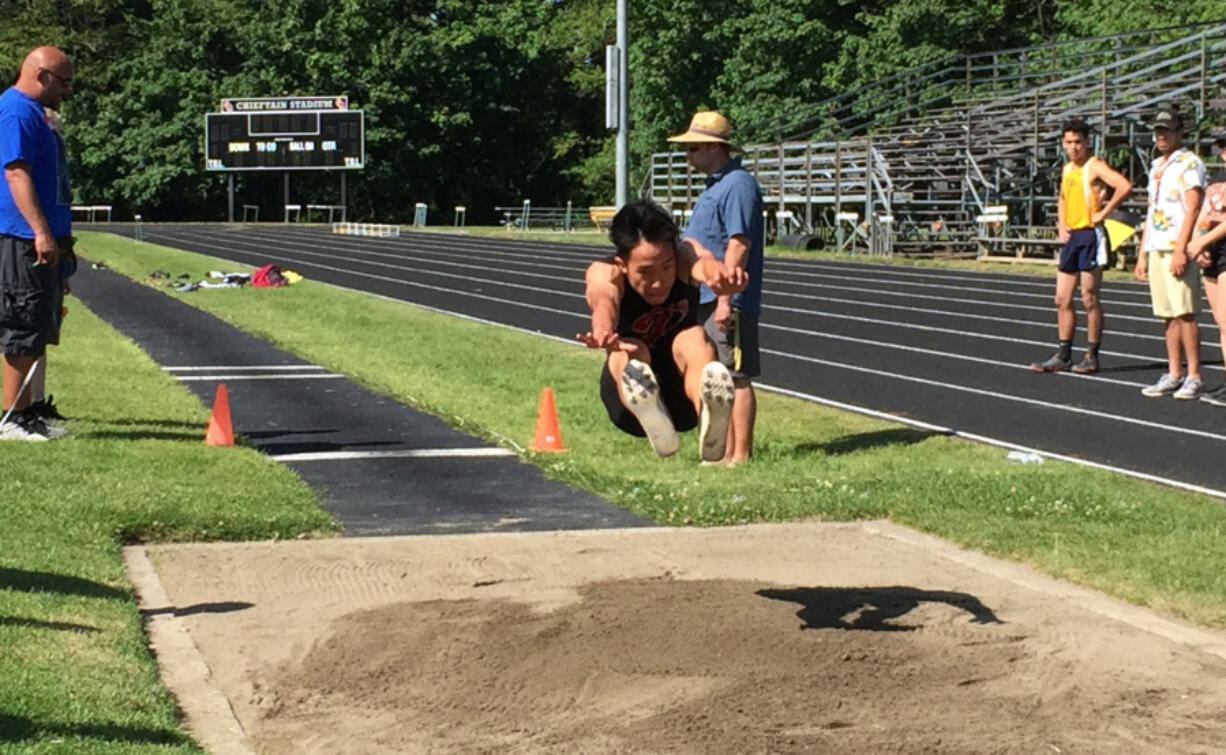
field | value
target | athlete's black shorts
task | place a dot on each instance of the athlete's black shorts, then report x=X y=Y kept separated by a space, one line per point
x=1217 y=259
x=1084 y=252
x=30 y=299
x=672 y=392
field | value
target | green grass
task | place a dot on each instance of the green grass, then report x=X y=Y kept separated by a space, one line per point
x=1148 y=544
x=75 y=675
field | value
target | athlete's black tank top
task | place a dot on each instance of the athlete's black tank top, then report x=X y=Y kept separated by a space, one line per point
x=657 y=324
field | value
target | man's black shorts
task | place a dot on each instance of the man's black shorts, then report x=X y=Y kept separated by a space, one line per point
x=30 y=299
x=1084 y=252
x=672 y=391
x=1217 y=260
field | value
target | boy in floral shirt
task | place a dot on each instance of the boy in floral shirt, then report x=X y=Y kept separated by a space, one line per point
x=1176 y=187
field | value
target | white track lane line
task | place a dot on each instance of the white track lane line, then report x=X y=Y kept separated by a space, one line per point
x=977 y=438
x=1002 y=396
x=409 y=453
x=961 y=333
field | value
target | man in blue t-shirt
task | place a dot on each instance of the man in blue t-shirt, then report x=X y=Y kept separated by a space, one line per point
x=727 y=223
x=35 y=210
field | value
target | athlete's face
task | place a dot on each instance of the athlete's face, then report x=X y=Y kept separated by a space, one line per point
x=1075 y=147
x=651 y=270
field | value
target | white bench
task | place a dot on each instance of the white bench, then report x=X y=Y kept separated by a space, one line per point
x=93 y=210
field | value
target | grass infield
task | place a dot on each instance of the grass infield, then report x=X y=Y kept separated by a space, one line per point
x=73 y=665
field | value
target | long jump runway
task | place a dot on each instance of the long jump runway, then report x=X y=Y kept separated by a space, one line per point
x=943 y=347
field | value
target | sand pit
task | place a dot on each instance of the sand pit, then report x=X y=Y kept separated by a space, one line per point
x=852 y=638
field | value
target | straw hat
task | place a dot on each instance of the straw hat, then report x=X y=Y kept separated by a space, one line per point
x=706 y=126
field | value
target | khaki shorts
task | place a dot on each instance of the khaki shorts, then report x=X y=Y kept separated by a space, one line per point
x=1171 y=296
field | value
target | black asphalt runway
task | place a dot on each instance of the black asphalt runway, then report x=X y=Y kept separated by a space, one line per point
x=945 y=347
x=381 y=467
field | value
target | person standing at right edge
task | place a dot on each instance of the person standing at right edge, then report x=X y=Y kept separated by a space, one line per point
x=1176 y=187
x=727 y=224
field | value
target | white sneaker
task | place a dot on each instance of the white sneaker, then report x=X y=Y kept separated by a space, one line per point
x=717 y=393
x=642 y=392
x=1190 y=388
x=1166 y=384
x=24 y=426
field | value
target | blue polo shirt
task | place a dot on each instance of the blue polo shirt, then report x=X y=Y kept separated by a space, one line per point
x=25 y=136
x=732 y=205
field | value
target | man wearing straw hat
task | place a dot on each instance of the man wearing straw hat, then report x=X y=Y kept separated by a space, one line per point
x=727 y=224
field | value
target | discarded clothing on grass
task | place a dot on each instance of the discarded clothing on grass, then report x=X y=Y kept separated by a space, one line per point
x=269 y=276
x=239 y=278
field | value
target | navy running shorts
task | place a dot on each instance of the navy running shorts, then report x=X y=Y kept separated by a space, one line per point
x=1084 y=252
x=30 y=299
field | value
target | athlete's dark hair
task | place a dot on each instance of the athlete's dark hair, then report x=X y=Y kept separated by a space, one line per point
x=640 y=220
x=1077 y=126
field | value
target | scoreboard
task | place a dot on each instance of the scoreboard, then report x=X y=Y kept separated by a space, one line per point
x=259 y=137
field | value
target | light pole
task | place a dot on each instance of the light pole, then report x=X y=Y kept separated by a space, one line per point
x=616 y=100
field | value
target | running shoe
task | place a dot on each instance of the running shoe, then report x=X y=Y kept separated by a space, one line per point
x=1190 y=389
x=24 y=426
x=1055 y=364
x=717 y=393
x=1087 y=366
x=642 y=392
x=1166 y=384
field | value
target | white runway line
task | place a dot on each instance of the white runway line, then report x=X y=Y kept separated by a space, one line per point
x=413 y=453
x=235 y=376
x=244 y=367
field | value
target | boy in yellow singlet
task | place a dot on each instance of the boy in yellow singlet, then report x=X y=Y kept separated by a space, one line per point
x=1079 y=225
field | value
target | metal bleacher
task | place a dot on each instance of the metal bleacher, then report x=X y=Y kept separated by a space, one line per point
x=933 y=148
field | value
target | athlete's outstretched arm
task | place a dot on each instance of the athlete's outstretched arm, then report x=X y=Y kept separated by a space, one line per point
x=604 y=292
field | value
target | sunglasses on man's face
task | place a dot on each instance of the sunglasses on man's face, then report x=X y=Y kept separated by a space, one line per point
x=694 y=147
x=63 y=81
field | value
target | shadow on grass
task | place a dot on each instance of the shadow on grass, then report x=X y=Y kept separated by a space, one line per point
x=872 y=608
x=223 y=607
x=13 y=621
x=41 y=581
x=21 y=729
x=849 y=444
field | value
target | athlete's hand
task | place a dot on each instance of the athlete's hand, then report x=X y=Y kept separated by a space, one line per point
x=1064 y=234
x=1139 y=271
x=606 y=340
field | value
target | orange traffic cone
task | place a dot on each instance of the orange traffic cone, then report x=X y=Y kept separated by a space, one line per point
x=220 y=432
x=547 y=436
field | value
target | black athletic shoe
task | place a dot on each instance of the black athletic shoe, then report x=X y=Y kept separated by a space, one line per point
x=46 y=409
x=1217 y=396
x=1087 y=366
x=1055 y=364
